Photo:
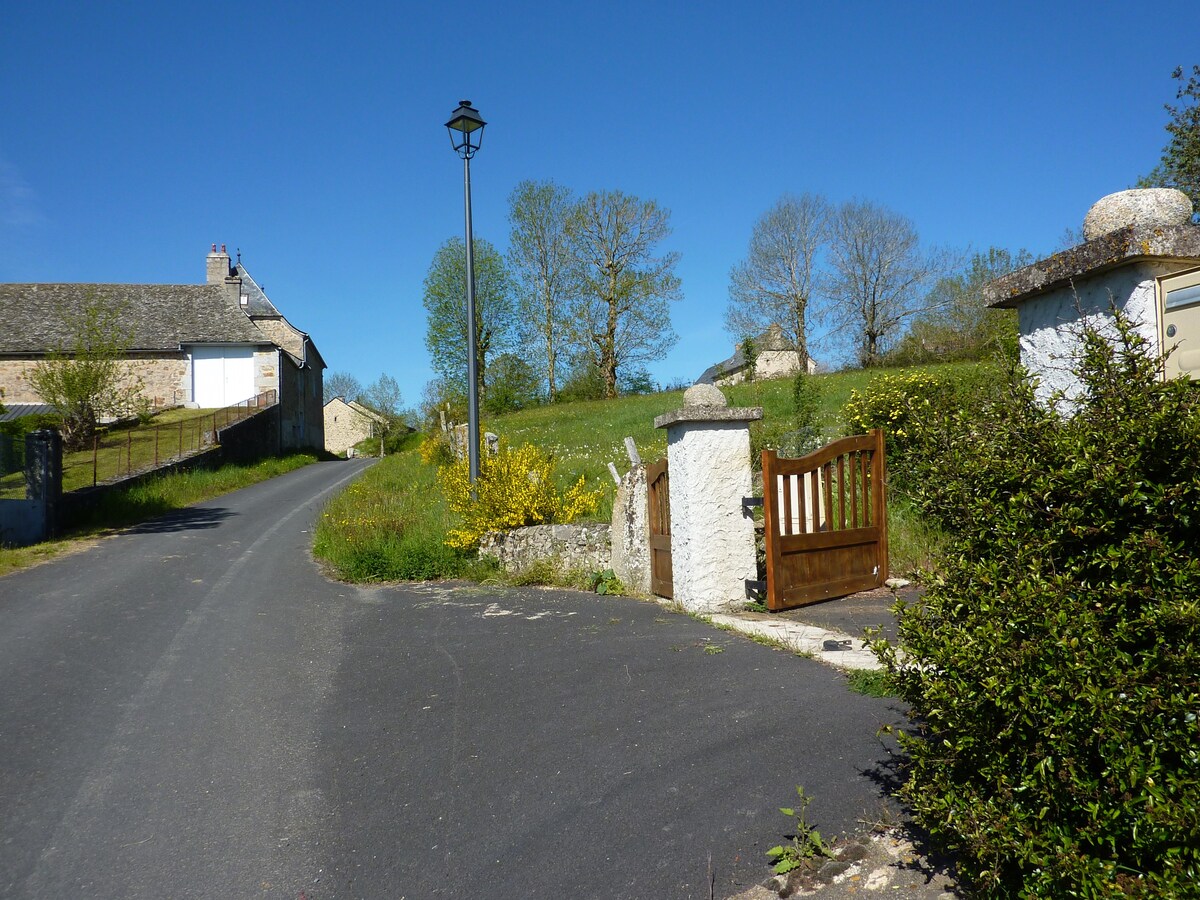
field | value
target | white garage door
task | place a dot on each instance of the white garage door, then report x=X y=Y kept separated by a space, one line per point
x=222 y=376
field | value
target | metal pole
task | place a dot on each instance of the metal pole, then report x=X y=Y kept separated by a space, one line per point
x=472 y=361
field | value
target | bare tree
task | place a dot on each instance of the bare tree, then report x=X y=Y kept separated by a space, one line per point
x=623 y=315
x=342 y=384
x=878 y=276
x=541 y=261
x=774 y=283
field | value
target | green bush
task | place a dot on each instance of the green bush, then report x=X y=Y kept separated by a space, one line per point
x=1053 y=667
x=909 y=405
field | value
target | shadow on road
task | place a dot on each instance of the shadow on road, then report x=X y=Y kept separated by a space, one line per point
x=183 y=520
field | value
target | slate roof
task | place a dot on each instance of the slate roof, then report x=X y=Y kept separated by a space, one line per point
x=257 y=302
x=14 y=411
x=35 y=318
x=1120 y=247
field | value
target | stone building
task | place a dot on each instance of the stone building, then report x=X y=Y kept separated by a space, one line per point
x=347 y=423
x=775 y=357
x=199 y=345
x=1141 y=255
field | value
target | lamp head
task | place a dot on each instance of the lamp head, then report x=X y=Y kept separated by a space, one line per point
x=466 y=129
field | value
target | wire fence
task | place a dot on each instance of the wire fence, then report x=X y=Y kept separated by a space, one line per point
x=123 y=454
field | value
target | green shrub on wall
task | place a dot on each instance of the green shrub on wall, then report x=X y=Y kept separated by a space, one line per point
x=1053 y=667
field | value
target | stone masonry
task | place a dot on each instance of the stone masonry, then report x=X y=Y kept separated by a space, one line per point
x=712 y=539
x=578 y=548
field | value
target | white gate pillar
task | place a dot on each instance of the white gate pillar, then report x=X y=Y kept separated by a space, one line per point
x=712 y=539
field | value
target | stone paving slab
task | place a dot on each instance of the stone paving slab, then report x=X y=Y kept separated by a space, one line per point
x=801 y=638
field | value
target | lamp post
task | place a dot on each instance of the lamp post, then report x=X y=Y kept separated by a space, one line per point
x=466 y=133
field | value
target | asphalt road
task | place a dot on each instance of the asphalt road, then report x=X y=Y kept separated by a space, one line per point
x=192 y=710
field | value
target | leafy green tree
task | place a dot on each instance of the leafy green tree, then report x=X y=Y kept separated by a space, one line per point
x=545 y=269
x=1180 y=163
x=879 y=274
x=623 y=316
x=86 y=378
x=341 y=384
x=774 y=283
x=957 y=323
x=445 y=300
x=514 y=384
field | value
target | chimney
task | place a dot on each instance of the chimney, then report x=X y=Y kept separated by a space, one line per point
x=219 y=272
x=218 y=265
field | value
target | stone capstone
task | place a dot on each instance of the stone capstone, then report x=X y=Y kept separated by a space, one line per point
x=1140 y=208
x=704 y=395
x=705 y=403
x=579 y=548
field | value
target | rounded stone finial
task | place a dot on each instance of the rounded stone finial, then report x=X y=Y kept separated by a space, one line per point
x=1142 y=207
x=704 y=395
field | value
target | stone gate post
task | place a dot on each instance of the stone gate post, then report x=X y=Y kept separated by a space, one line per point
x=708 y=458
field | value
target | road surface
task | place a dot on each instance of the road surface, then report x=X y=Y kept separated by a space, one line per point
x=191 y=710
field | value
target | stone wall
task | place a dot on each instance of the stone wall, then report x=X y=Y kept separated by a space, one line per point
x=344 y=426
x=164 y=376
x=582 y=548
x=631 y=532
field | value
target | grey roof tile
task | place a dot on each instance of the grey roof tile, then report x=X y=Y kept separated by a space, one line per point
x=35 y=318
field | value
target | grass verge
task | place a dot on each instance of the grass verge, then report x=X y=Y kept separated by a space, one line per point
x=151 y=498
x=390 y=525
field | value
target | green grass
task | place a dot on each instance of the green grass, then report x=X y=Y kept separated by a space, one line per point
x=130 y=449
x=871 y=682
x=155 y=496
x=391 y=524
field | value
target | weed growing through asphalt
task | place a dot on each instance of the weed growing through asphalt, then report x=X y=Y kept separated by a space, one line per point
x=805 y=844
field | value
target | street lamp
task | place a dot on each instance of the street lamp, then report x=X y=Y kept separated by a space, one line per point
x=466 y=133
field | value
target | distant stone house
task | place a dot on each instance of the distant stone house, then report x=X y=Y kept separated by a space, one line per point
x=775 y=357
x=198 y=345
x=347 y=423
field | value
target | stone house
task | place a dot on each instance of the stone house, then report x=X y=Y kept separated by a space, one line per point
x=1141 y=255
x=347 y=423
x=198 y=345
x=775 y=357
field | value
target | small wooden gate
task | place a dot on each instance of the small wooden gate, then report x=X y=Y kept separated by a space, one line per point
x=659 y=514
x=825 y=522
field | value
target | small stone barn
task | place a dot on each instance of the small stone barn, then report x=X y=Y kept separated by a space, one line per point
x=348 y=422
x=774 y=357
x=1141 y=255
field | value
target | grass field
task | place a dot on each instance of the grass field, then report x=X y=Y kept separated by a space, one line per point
x=129 y=449
x=391 y=523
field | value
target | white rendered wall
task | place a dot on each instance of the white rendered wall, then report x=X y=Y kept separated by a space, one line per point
x=712 y=541
x=1050 y=323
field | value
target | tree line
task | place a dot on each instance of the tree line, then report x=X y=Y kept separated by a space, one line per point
x=577 y=308
x=581 y=302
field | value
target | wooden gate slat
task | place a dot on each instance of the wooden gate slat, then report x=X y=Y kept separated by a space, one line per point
x=831 y=553
x=658 y=510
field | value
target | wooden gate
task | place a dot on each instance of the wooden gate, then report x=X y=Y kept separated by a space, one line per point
x=825 y=522
x=659 y=514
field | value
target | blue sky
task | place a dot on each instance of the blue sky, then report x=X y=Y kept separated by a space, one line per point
x=310 y=135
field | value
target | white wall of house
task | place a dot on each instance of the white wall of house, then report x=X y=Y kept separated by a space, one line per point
x=1050 y=323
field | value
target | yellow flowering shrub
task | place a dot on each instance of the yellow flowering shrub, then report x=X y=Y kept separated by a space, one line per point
x=896 y=403
x=515 y=488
